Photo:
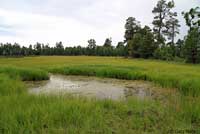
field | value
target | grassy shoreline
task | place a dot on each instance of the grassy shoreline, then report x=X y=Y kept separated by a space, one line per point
x=24 y=113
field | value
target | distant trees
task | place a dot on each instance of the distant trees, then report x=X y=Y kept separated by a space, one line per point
x=59 y=48
x=166 y=28
x=192 y=46
x=179 y=49
x=40 y=49
x=108 y=42
x=121 y=49
x=91 y=47
x=91 y=44
x=16 y=49
x=139 y=41
x=142 y=44
x=192 y=42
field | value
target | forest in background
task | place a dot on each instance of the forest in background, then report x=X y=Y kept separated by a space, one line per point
x=139 y=41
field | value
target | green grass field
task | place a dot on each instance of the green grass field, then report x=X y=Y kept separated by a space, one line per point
x=24 y=113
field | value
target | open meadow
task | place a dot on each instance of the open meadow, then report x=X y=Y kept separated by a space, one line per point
x=22 y=112
x=100 y=67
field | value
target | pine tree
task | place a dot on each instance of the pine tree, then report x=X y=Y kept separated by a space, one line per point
x=108 y=42
x=131 y=26
x=192 y=17
x=161 y=12
x=172 y=27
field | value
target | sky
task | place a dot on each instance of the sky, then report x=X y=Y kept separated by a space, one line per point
x=74 y=22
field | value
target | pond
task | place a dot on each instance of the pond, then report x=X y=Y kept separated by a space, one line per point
x=100 y=88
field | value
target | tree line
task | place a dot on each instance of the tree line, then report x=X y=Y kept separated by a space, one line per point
x=92 y=49
x=139 y=41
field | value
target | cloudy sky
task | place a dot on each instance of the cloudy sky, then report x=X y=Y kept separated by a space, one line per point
x=75 y=21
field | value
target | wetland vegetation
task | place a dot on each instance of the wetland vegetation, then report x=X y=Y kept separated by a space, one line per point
x=28 y=113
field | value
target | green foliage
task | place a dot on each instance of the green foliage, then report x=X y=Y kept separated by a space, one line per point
x=179 y=49
x=162 y=12
x=91 y=44
x=59 y=49
x=192 y=42
x=172 y=27
x=15 y=50
x=108 y=42
x=131 y=27
x=192 y=17
x=142 y=44
x=38 y=48
x=192 y=46
x=164 y=53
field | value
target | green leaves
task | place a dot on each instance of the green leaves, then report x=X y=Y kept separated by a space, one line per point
x=192 y=46
x=192 y=17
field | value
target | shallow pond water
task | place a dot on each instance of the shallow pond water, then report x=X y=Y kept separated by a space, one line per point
x=100 y=88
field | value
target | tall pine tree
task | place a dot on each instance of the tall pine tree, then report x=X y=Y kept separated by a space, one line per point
x=161 y=12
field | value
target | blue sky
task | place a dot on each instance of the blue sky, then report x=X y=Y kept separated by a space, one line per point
x=75 y=21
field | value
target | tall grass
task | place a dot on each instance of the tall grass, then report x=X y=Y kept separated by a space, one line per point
x=25 y=74
x=101 y=71
x=66 y=114
x=10 y=86
x=21 y=112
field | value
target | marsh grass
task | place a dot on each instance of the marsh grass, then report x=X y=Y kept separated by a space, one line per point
x=67 y=114
x=24 y=113
x=25 y=74
x=10 y=86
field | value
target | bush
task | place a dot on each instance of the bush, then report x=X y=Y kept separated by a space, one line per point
x=164 y=53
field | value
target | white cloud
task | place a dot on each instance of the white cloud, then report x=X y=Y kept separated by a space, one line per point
x=31 y=28
x=74 y=22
